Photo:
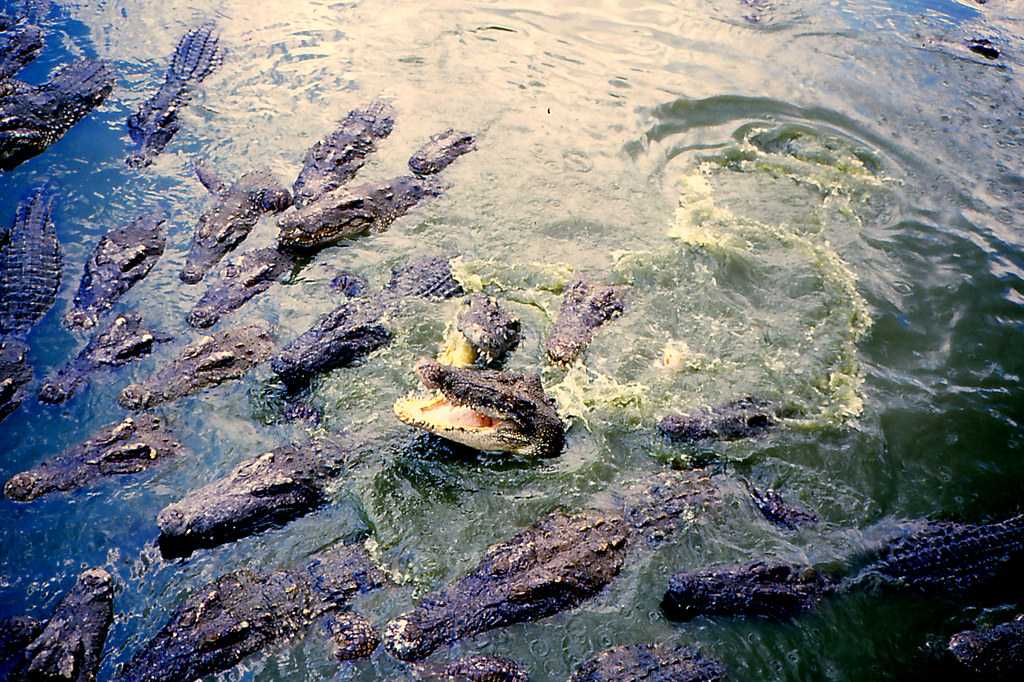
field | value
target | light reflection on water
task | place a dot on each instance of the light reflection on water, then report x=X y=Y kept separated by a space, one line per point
x=592 y=119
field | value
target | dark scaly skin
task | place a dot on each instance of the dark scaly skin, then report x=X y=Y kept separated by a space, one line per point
x=210 y=360
x=472 y=669
x=658 y=506
x=122 y=258
x=649 y=663
x=244 y=612
x=777 y=510
x=235 y=211
x=151 y=128
x=122 y=341
x=993 y=654
x=70 y=645
x=132 y=445
x=743 y=418
x=352 y=636
x=585 y=308
x=30 y=265
x=344 y=213
x=355 y=329
x=239 y=280
x=34 y=117
x=332 y=162
x=264 y=491
x=15 y=375
x=16 y=633
x=491 y=331
x=755 y=589
x=20 y=44
x=439 y=152
x=553 y=565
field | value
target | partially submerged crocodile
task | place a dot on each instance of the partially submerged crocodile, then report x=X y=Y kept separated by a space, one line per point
x=743 y=418
x=654 y=662
x=15 y=375
x=151 y=128
x=471 y=669
x=236 y=209
x=122 y=341
x=30 y=265
x=20 y=43
x=484 y=334
x=70 y=644
x=122 y=258
x=208 y=361
x=993 y=654
x=585 y=308
x=352 y=636
x=355 y=328
x=244 y=612
x=344 y=212
x=129 y=446
x=239 y=280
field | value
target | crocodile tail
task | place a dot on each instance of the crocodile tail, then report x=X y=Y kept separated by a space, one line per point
x=30 y=266
x=197 y=56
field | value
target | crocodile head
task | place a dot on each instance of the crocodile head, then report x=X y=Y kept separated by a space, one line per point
x=485 y=409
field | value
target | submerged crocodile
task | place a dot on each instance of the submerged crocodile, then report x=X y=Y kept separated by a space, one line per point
x=993 y=654
x=355 y=328
x=209 y=361
x=654 y=662
x=554 y=565
x=15 y=375
x=743 y=418
x=122 y=258
x=344 y=212
x=585 y=308
x=132 y=445
x=151 y=128
x=33 y=117
x=236 y=209
x=471 y=669
x=942 y=558
x=120 y=342
x=484 y=334
x=239 y=280
x=20 y=43
x=30 y=265
x=244 y=612
x=69 y=646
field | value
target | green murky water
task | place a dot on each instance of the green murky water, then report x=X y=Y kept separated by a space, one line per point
x=814 y=202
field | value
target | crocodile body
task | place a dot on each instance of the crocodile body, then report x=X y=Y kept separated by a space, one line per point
x=123 y=257
x=20 y=44
x=15 y=375
x=650 y=663
x=209 y=361
x=244 y=612
x=585 y=308
x=151 y=128
x=239 y=280
x=352 y=636
x=30 y=265
x=33 y=117
x=472 y=669
x=332 y=162
x=122 y=341
x=236 y=209
x=132 y=445
x=743 y=418
x=355 y=329
x=270 y=489
x=993 y=654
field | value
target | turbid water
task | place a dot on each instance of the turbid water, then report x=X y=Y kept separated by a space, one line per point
x=814 y=202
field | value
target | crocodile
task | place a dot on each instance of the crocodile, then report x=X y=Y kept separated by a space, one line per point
x=151 y=128
x=347 y=212
x=236 y=209
x=243 y=612
x=777 y=510
x=585 y=308
x=743 y=418
x=17 y=632
x=33 y=117
x=332 y=162
x=993 y=654
x=71 y=643
x=210 y=360
x=264 y=491
x=472 y=669
x=15 y=375
x=485 y=409
x=352 y=636
x=555 y=564
x=30 y=265
x=356 y=328
x=129 y=446
x=122 y=258
x=124 y=340
x=20 y=43
x=654 y=662
x=485 y=334
x=239 y=280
